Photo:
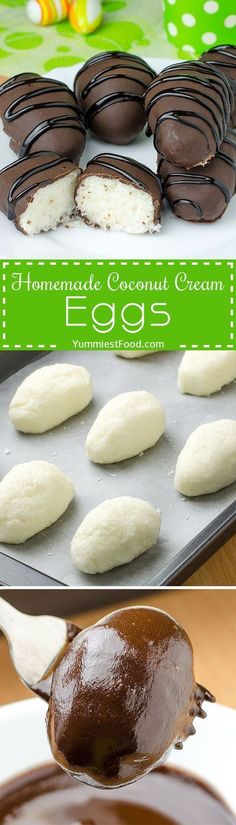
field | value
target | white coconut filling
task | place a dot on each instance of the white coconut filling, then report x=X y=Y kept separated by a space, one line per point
x=50 y=206
x=111 y=204
x=135 y=353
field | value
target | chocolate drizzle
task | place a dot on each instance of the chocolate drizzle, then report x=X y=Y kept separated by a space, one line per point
x=223 y=58
x=191 y=82
x=101 y=86
x=11 y=113
x=129 y=169
x=61 y=122
x=108 y=100
x=29 y=95
x=34 y=173
x=129 y=58
x=219 y=175
x=113 y=73
x=116 y=70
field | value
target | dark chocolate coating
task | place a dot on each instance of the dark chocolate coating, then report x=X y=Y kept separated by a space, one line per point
x=41 y=114
x=224 y=58
x=189 y=107
x=20 y=180
x=202 y=194
x=47 y=796
x=122 y=696
x=129 y=171
x=43 y=687
x=111 y=86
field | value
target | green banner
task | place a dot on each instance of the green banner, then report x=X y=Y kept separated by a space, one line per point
x=117 y=305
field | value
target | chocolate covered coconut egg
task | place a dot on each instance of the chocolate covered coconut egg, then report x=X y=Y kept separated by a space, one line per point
x=202 y=195
x=224 y=58
x=118 y=193
x=41 y=114
x=37 y=192
x=122 y=696
x=111 y=86
x=188 y=107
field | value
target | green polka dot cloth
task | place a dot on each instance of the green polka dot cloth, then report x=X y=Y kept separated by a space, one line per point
x=193 y=26
x=174 y=28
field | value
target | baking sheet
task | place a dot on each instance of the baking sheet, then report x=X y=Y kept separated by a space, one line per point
x=149 y=476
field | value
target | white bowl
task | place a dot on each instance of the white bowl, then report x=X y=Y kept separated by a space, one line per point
x=210 y=754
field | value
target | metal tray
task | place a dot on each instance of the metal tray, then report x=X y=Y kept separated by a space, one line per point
x=191 y=529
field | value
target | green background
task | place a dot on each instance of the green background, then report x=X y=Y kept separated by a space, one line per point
x=37 y=319
x=144 y=27
x=128 y=25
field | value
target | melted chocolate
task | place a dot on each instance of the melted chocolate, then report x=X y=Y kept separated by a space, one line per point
x=46 y=796
x=202 y=194
x=21 y=179
x=31 y=107
x=111 y=87
x=224 y=58
x=43 y=687
x=188 y=107
x=111 y=717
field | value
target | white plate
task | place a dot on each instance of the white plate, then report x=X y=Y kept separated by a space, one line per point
x=210 y=754
x=177 y=238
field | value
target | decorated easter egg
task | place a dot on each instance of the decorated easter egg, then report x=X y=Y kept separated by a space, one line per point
x=45 y=12
x=85 y=15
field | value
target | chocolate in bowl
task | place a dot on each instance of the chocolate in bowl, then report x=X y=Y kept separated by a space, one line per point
x=47 y=796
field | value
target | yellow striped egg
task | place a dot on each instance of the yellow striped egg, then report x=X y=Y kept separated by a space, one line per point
x=85 y=15
x=45 y=12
